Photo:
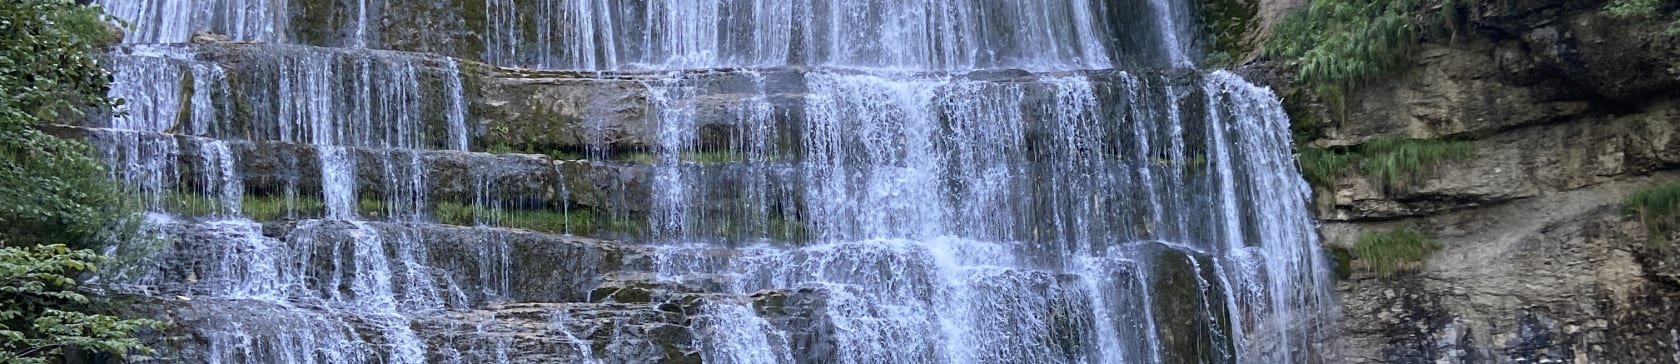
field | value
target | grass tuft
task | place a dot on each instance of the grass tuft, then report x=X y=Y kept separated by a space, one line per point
x=1393 y=162
x=1341 y=45
x=1322 y=166
x=1395 y=251
x=1658 y=208
x=1390 y=162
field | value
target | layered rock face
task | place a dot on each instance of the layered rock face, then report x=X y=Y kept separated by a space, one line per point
x=1569 y=111
x=727 y=181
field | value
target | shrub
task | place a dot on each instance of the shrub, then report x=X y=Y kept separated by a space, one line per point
x=42 y=308
x=53 y=194
x=52 y=190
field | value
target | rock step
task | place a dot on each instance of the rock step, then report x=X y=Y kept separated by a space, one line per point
x=255 y=91
x=565 y=332
x=598 y=198
x=552 y=34
x=418 y=265
x=212 y=329
x=738 y=201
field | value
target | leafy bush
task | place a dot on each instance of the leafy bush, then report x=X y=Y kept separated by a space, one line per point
x=53 y=192
x=1394 y=251
x=42 y=304
x=1390 y=162
x=1658 y=208
x=51 y=189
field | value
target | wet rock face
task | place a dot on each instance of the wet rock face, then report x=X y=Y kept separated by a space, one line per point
x=479 y=294
x=801 y=312
x=1517 y=63
x=1614 y=58
x=1570 y=288
x=547 y=333
x=1521 y=163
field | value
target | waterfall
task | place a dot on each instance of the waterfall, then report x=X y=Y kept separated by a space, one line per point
x=728 y=181
x=907 y=35
x=174 y=21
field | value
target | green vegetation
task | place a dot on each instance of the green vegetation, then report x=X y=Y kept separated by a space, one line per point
x=499 y=133
x=54 y=199
x=1305 y=124
x=1633 y=8
x=1340 y=45
x=1322 y=166
x=1651 y=10
x=1658 y=208
x=269 y=208
x=1394 y=251
x=1390 y=162
x=542 y=220
x=52 y=190
x=43 y=310
x=1341 y=262
x=565 y=155
x=274 y=208
x=702 y=157
x=187 y=204
x=636 y=158
x=258 y=208
x=1228 y=23
x=776 y=228
x=371 y=208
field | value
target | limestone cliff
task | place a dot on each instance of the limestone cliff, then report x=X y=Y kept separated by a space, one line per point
x=1569 y=110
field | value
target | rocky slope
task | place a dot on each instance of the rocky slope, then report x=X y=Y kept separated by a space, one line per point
x=1569 y=110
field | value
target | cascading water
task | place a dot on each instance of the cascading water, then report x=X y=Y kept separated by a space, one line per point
x=898 y=181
